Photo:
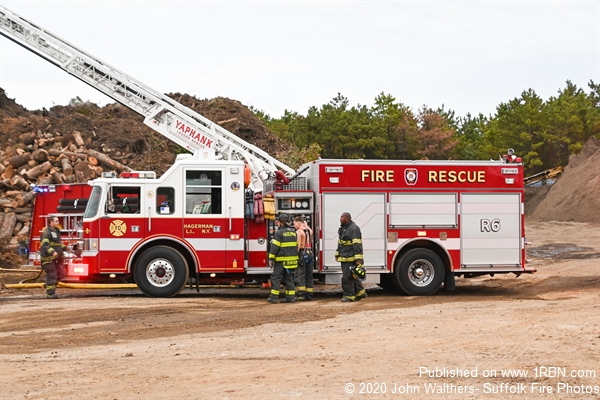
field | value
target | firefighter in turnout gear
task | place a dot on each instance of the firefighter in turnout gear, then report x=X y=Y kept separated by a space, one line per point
x=306 y=286
x=350 y=253
x=283 y=257
x=51 y=255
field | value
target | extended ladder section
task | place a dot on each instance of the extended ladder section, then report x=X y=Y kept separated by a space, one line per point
x=161 y=113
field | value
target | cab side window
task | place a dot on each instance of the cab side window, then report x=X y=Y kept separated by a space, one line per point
x=203 y=192
x=165 y=200
x=123 y=200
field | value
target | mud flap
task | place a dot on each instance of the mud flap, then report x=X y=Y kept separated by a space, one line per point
x=449 y=282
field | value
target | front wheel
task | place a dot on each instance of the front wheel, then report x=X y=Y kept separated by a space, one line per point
x=161 y=272
x=420 y=272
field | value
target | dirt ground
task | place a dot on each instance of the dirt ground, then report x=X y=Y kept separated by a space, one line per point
x=230 y=343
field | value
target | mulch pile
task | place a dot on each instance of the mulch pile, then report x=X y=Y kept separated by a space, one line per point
x=237 y=119
x=120 y=133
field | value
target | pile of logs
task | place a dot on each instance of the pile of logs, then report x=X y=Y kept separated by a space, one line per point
x=41 y=159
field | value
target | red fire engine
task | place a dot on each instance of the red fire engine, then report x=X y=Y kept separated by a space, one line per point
x=209 y=218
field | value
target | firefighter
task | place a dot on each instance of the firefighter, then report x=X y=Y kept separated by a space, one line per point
x=283 y=258
x=51 y=255
x=350 y=254
x=305 y=282
x=510 y=157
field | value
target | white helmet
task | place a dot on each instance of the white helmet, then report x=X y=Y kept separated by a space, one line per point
x=510 y=152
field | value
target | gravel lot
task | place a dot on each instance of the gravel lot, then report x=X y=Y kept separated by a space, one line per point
x=230 y=343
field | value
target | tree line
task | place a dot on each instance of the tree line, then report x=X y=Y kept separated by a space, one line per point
x=543 y=133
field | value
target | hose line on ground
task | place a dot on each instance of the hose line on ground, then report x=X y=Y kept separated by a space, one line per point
x=28 y=280
x=25 y=285
x=32 y=280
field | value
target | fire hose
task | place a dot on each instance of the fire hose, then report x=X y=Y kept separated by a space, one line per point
x=111 y=286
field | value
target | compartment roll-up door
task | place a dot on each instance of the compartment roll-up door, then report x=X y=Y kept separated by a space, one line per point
x=368 y=212
x=490 y=229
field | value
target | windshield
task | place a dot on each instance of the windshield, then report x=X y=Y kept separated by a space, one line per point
x=94 y=203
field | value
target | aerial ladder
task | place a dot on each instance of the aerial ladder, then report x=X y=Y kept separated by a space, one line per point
x=181 y=124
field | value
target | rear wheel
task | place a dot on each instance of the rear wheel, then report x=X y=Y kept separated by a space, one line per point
x=420 y=272
x=161 y=272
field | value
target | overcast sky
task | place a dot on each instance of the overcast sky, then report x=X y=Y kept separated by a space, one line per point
x=274 y=55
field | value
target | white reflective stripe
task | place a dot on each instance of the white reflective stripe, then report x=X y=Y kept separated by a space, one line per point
x=448 y=244
x=216 y=244
x=198 y=244
x=117 y=244
x=253 y=245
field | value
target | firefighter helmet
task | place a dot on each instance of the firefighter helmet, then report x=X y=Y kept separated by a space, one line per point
x=359 y=272
x=283 y=218
x=511 y=152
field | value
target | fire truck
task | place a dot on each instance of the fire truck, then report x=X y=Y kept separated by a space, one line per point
x=210 y=216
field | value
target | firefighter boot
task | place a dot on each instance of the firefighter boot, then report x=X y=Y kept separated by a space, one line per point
x=308 y=296
x=272 y=299
x=289 y=299
x=51 y=292
x=361 y=295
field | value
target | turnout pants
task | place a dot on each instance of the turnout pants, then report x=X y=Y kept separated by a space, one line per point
x=305 y=282
x=282 y=274
x=55 y=271
x=352 y=288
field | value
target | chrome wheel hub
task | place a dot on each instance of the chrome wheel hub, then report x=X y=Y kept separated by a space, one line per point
x=421 y=273
x=160 y=272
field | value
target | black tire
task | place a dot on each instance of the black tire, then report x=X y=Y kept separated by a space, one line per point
x=161 y=272
x=420 y=272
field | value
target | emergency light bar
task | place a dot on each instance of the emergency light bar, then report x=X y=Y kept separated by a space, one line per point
x=44 y=188
x=139 y=174
x=131 y=175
